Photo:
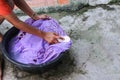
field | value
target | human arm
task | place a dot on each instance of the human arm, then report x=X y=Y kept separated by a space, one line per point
x=6 y=13
x=25 y=8
x=48 y=36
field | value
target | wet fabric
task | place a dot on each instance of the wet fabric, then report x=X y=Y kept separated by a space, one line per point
x=27 y=48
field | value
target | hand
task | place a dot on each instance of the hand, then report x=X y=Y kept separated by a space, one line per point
x=43 y=16
x=51 y=37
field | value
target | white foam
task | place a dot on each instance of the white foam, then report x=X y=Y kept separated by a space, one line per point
x=66 y=39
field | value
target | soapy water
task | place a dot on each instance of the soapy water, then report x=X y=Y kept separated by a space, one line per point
x=65 y=39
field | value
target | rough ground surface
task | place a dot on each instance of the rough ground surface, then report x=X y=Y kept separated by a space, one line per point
x=95 y=53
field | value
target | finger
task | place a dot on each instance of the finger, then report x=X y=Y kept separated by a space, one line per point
x=48 y=18
x=58 y=37
x=55 y=41
x=56 y=34
x=51 y=43
x=61 y=38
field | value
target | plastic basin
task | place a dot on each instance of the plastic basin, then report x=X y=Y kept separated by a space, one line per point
x=26 y=67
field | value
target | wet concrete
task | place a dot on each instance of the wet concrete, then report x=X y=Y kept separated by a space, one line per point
x=95 y=53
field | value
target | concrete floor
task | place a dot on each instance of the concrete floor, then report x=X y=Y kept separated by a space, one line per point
x=95 y=53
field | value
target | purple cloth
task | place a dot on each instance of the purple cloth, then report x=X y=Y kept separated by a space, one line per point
x=27 y=48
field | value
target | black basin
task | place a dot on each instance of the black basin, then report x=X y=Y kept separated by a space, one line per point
x=26 y=67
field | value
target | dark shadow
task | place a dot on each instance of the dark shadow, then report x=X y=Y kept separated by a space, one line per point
x=63 y=68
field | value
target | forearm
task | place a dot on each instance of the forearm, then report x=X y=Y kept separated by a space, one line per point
x=27 y=28
x=24 y=7
x=12 y=18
